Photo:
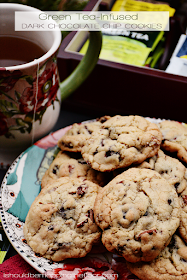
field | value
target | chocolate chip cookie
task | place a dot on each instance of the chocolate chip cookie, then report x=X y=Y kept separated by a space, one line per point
x=76 y=136
x=171 y=264
x=60 y=223
x=169 y=168
x=183 y=220
x=138 y=212
x=174 y=138
x=72 y=165
x=121 y=141
x=176 y=174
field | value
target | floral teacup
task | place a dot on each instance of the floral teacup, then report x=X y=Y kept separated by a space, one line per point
x=31 y=93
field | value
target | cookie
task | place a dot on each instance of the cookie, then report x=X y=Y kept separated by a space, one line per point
x=171 y=264
x=176 y=174
x=174 y=138
x=169 y=168
x=75 y=137
x=72 y=165
x=183 y=220
x=138 y=212
x=60 y=223
x=120 y=142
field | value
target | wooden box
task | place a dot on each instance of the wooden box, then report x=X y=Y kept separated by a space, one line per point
x=115 y=88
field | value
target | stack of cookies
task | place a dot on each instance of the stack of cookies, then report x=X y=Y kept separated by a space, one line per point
x=114 y=182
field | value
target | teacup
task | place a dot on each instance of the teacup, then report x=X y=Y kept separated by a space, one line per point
x=30 y=92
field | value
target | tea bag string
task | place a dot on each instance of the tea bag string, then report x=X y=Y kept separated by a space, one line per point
x=35 y=105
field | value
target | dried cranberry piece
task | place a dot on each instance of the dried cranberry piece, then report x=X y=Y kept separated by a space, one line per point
x=82 y=223
x=184 y=197
x=71 y=168
x=89 y=131
x=81 y=190
x=91 y=215
x=150 y=232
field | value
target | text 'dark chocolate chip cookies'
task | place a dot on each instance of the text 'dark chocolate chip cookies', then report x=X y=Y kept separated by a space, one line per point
x=75 y=137
x=138 y=212
x=121 y=141
x=171 y=264
x=174 y=138
x=60 y=223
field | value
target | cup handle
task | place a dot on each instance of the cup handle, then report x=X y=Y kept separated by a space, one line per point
x=85 y=66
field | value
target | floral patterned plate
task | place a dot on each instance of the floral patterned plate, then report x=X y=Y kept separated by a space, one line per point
x=28 y=170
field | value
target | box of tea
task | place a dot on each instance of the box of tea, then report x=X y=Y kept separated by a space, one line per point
x=123 y=88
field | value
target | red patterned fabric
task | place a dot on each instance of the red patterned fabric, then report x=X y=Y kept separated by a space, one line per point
x=17 y=268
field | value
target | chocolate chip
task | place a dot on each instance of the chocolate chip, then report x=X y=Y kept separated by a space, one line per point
x=68 y=145
x=169 y=201
x=51 y=227
x=62 y=212
x=107 y=228
x=55 y=169
x=176 y=185
x=172 y=244
x=103 y=119
x=82 y=161
x=102 y=143
x=64 y=244
x=163 y=171
x=146 y=213
x=124 y=215
x=37 y=254
x=110 y=153
x=96 y=152
x=120 y=248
